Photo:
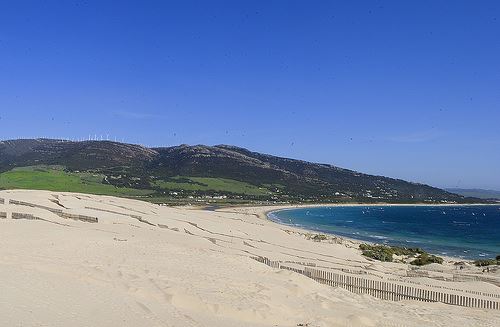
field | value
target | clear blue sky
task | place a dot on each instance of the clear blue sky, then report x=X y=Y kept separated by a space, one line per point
x=408 y=89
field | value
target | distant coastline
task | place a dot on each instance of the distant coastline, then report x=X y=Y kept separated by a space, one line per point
x=476 y=192
x=431 y=247
x=315 y=205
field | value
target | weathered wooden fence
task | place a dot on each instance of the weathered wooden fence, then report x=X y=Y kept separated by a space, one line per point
x=385 y=290
x=139 y=218
x=79 y=217
x=19 y=215
x=32 y=205
x=58 y=212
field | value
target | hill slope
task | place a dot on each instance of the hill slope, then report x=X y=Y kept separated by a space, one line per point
x=201 y=171
x=477 y=193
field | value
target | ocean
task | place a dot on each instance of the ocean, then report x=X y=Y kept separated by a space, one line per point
x=468 y=232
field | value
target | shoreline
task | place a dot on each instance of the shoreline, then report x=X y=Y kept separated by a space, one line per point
x=266 y=215
x=273 y=208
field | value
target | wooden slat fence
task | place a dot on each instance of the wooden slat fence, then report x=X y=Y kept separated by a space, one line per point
x=32 y=205
x=386 y=290
x=79 y=217
x=58 y=212
x=19 y=215
x=139 y=218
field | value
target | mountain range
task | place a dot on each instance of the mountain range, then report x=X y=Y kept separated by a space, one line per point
x=200 y=171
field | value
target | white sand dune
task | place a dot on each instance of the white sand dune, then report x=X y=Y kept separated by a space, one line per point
x=146 y=265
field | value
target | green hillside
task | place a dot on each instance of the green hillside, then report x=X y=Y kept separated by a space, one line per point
x=200 y=172
x=211 y=184
x=55 y=178
x=476 y=193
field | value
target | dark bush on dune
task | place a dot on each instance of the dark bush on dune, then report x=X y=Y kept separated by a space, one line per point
x=319 y=237
x=425 y=259
x=487 y=262
x=377 y=252
x=385 y=253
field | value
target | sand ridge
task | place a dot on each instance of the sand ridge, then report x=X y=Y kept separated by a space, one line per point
x=146 y=265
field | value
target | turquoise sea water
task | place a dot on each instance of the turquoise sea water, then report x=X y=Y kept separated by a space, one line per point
x=469 y=232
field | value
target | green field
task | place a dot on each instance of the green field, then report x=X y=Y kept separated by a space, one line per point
x=54 y=178
x=211 y=184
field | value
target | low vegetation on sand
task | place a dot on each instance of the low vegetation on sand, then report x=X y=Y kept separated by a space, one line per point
x=487 y=262
x=414 y=256
x=319 y=237
x=425 y=259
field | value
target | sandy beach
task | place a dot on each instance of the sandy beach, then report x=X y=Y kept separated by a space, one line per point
x=85 y=260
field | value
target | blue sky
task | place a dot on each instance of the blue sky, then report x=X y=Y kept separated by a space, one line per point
x=398 y=88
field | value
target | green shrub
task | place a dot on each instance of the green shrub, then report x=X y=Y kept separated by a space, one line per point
x=425 y=259
x=319 y=237
x=498 y=257
x=385 y=253
x=407 y=251
x=486 y=262
x=377 y=252
x=382 y=255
